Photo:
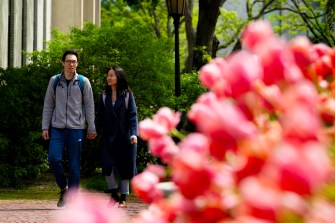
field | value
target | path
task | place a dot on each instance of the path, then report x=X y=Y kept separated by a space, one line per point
x=46 y=211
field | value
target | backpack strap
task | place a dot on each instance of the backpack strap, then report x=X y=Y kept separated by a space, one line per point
x=80 y=83
x=104 y=97
x=56 y=81
x=126 y=99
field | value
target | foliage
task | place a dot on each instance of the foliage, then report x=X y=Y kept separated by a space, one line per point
x=22 y=153
x=289 y=18
x=229 y=27
x=132 y=46
x=152 y=13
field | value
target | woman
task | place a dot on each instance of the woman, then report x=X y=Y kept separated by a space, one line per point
x=117 y=123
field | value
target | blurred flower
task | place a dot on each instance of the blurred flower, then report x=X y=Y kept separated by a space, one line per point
x=163 y=122
x=87 y=207
x=144 y=186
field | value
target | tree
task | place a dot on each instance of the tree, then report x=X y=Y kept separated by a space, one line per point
x=206 y=43
x=330 y=15
x=218 y=28
x=288 y=17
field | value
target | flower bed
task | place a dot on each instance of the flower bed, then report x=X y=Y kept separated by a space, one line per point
x=262 y=150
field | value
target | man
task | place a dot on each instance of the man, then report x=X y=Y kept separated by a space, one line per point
x=68 y=104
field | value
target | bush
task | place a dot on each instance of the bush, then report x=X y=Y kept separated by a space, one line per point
x=22 y=153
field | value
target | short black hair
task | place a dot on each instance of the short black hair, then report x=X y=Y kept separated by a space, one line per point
x=71 y=52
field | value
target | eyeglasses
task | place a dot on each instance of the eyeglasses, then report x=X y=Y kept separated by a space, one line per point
x=71 y=61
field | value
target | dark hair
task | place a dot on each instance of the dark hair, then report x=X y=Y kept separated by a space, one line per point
x=71 y=52
x=122 y=83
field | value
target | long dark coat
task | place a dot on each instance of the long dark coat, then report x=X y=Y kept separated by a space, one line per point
x=116 y=124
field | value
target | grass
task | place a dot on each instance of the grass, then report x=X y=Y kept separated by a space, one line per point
x=45 y=188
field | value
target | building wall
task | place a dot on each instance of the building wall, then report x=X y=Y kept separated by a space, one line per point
x=73 y=13
x=4 y=13
x=25 y=25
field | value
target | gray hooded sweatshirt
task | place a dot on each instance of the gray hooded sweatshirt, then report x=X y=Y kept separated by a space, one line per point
x=67 y=106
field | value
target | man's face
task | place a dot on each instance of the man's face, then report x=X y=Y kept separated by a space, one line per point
x=70 y=64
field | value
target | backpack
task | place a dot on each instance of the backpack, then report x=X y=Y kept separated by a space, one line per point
x=126 y=99
x=81 y=82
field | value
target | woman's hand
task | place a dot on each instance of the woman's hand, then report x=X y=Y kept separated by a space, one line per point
x=133 y=139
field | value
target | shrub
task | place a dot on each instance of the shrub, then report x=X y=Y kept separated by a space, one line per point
x=22 y=153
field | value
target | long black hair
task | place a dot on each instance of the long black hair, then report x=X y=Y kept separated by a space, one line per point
x=122 y=83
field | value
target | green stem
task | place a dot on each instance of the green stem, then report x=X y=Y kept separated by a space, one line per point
x=176 y=133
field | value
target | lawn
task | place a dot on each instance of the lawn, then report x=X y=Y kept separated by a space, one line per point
x=45 y=187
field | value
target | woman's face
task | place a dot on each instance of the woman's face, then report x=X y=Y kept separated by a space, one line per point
x=111 y=78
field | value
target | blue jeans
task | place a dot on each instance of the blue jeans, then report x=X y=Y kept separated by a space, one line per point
x=72 y=141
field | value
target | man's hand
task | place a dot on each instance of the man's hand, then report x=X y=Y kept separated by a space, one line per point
x=91 y=135
x=45 y=134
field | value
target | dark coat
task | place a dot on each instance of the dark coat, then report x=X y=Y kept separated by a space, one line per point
x=116 y=124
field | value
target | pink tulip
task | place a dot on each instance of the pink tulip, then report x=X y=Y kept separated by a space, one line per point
x=293 y=203
x=150 y=216
x=163 y=147
x=191 y=174
x=223 y=184
x=270 y=97
x=149 y=129
x=278 y=62
x=259 y=199
x=321 y=212
x=292 y=127
x=212 y=74
x=324 y=62
x=218 y=120
x=196 y=142
x=155 y=214
x=243 y=70
x=300 y=168
x=256 y=33
x=302 y=51
x=246 y=219
x=163 y=122
x=167 y=118
x=251 y=166
x=303 y=93
x=89 y=207
x=321 y=49
x=158 y=170
x=327 y=110
x=144 y=186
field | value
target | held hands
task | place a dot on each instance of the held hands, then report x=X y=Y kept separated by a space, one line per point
x=91 y=135
x=45 y=135
x=133 y=139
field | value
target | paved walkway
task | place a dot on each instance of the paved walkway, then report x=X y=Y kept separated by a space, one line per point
x=46 y=211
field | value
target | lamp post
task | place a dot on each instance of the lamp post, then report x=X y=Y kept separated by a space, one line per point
x=176 y=10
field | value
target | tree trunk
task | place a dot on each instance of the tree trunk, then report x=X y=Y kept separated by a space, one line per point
x=330 y=17
x=209 y=11
x=190 y=35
